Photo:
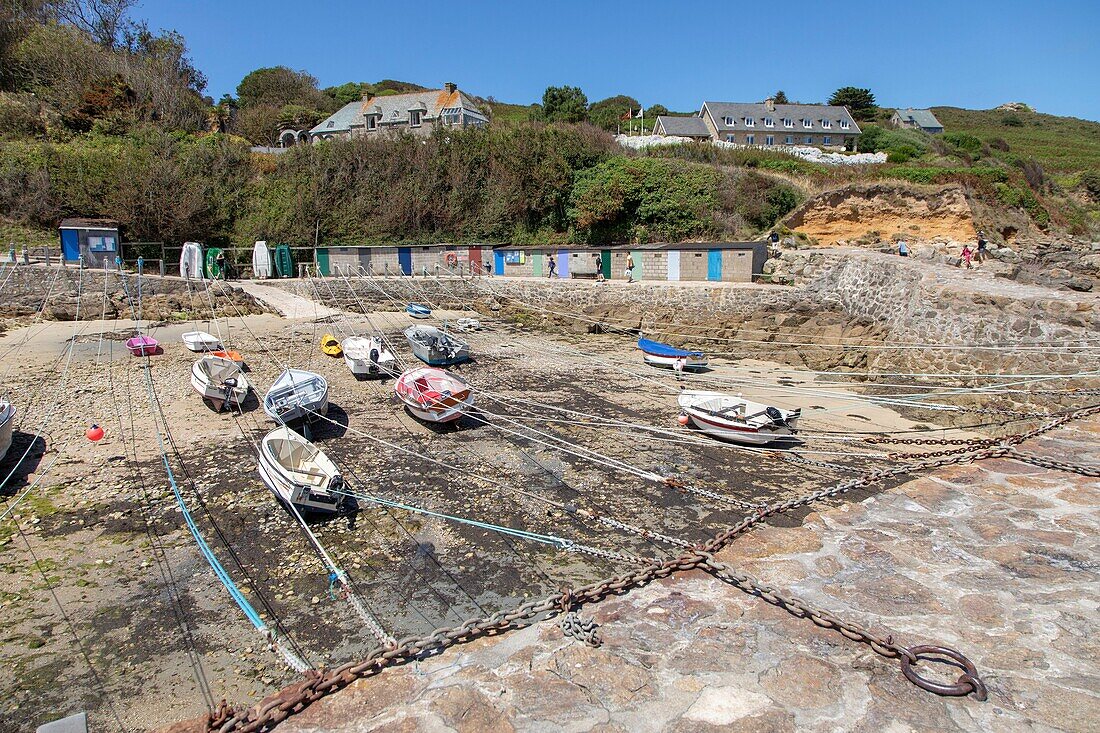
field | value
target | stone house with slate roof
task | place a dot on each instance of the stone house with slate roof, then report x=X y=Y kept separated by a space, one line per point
x=767 y=123
x=416 y=112
x=692 y=127
x=917 y=119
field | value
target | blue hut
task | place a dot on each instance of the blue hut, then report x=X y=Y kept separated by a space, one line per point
x=96 y=239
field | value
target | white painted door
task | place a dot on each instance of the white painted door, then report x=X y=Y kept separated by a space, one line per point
x=674 y=265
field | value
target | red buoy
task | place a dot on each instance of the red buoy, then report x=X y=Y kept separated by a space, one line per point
x=683 y=420
x=94 y=433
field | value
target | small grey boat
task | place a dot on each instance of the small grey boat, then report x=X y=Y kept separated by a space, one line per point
x=435 y=347
x=296 y=395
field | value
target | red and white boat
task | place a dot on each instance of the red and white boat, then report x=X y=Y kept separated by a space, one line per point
x=736 y=419
x=434 y=395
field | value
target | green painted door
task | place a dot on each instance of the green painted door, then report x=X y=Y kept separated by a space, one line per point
x=637 y=255
x=605 y=263
x=322 y=260
x=536 y=264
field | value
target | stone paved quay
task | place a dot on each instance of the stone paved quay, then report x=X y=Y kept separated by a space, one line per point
x=997 y=559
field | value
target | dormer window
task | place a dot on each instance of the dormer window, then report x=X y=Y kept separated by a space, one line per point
x=844 y=124
x=414 y=117
x=331 y=123
x=372 y=122
x=807 y=123
x=769 y=122
x=728 y=121
x=826 y=124
x=750 y=122
x=788 y=122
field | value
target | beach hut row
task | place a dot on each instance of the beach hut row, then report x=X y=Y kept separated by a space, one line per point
x=694 y=261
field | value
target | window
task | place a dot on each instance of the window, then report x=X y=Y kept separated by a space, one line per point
x=844 y=124
x=826 y=124
x=826 y=140
x=372 y=123
x=788 y=122
x=769 y=122
x=728 y=121
x=414 y=117
x=807 y=123
x=331 y=123
x=769 y=140
x=729 y=138
x=750 y=139
x=809 y=140
x=789 y=140
x=750 y=122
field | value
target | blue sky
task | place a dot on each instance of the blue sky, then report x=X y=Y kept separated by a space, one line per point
x=928 y=52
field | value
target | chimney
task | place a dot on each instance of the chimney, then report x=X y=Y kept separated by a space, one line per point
x=769 y=104
x=450 y=87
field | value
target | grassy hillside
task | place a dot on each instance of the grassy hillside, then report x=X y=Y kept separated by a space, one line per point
x=1062 y=145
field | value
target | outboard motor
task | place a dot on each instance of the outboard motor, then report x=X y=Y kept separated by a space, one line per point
x=227 y=389
x=373 y=368
x=335 y=487
x=774 y=415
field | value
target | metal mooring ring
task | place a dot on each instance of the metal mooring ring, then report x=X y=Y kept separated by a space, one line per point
x=968 y=681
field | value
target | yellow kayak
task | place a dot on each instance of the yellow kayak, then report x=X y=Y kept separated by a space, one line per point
x=330 y=345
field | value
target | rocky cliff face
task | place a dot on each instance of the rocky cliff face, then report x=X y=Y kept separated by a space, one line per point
x=883 y=210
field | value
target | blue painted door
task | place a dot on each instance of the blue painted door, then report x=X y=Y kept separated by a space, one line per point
x=714 y=264
x=70 y=244
x=563 y=263
x=405 y=260
x=498 y=262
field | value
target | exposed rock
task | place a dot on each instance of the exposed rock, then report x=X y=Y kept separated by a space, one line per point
x=885 y=210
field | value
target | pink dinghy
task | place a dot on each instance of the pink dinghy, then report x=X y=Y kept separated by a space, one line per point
x=434 y=395
x=143 y=345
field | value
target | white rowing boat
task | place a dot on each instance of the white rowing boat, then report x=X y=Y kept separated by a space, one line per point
x=296 y=395
x=7 y=423
x=298 y=473
x=201 y=341
x=220 y=381
x=657 y=354
x=368 y=356
x=736 y=419
x=434 y=395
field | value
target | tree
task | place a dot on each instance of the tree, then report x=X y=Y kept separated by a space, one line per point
x=103 y=20
x=656 y=109
x=564 y=104
x=278 y=86
x=781 y=97
x=606 y=113
x=860 y=102
x=347 y=93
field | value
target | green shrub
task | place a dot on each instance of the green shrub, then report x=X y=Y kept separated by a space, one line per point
x=1021 y=197
x=1012 y=121
x=963 y=141
x=631 y=199
x=902 y=154
x=1090 y=184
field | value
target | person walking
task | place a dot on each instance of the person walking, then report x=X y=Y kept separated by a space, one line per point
x=903 y=248
x=967 y=255
x=552 y=266
x=219 y=263
x=980 y=255
x=599 y=267
x=629 y=267
x=489 y=268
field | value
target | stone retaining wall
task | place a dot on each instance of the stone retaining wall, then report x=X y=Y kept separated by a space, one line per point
x=25 y=290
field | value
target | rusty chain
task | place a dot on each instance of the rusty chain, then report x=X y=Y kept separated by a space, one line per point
x=1043 y=462
x=584 y=630
x=319 y=683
